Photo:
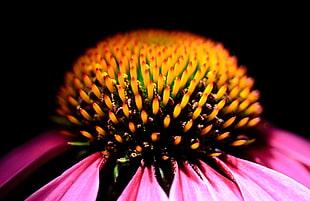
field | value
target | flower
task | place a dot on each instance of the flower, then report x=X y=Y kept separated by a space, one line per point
x=284 y=152
x=165 y=115
x=21 y=162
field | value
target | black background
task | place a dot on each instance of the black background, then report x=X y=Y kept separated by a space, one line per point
x=40 y=43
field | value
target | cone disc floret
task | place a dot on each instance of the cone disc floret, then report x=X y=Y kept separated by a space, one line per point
x=158 y=96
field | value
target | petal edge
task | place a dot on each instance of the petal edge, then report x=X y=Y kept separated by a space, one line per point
x=80 y=182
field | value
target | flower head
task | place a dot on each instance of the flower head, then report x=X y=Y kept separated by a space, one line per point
x=161 y=114
x=159 y=96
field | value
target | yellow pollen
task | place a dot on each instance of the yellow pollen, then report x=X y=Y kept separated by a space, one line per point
x=233 y=106
x=84 y=96
x=72 y=101
x=228 y=122
x=121 y=93
x=234 y=92
x=203 y=99
x=87 y=80
x=244 y=93
x=211 y=76
x=222 y=79
x=108 y=102
x=99 y=77
x=215 y=154
x=109 y=83
x=206 y=129
x=243 y=82
x=254 y=121
x=164 y=67
x=121 y=79
x=244 y=105
x=139 y=148
x=238 y=143
x=118 y=138
x=113 y=118
x=134 y=85
x=77 y=83
x=184 y=100
x=242 y=122
x=138 y=100
x=221 y=104
x=223 y=136
x=177 y=110
x=155 y=136
x=102 y=65
x=188 y=125
x=155 y=106
x=144 y=116
x=133 y=71
x=86 y=134
x=96 y=90
x=170 y=76
x=255 y=108
x=150 y=90
x=177 y=140
x=125 y=109
x=105 y=153
x=184 y=78
x=166 y=121
x=234 y=82
x=196 y=112
x=155 y=73
x=178 y=67
x=253 y=96
x=122 y=69
x=176 y=87
x=112 y=62
x=160 y=83
x=74 y=120
x=132 y=127
x=195 y=145
x=221 y=92
x=85 y=114
x=199 y=74
x=100 y=130
x=208 y=89
x=213 y=114
x=165 y=158
x=192 y=86
x=166 y=95
x=111 y=71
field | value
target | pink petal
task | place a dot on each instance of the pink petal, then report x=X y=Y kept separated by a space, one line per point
x=221 y=187
x=285 y=152
x=290 y=144
x=257 y=182
x=20 y=162
x=80 y=182
x=281 y=162
x=187 y=186
x=143 y=186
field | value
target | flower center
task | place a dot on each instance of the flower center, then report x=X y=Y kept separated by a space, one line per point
x=158 y=95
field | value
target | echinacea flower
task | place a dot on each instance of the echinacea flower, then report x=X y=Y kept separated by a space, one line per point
x=166 y=115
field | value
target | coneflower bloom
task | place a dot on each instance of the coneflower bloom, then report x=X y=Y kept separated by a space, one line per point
x=167 y=115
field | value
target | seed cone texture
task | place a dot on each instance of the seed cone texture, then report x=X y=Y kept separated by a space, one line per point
x=158 y=95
